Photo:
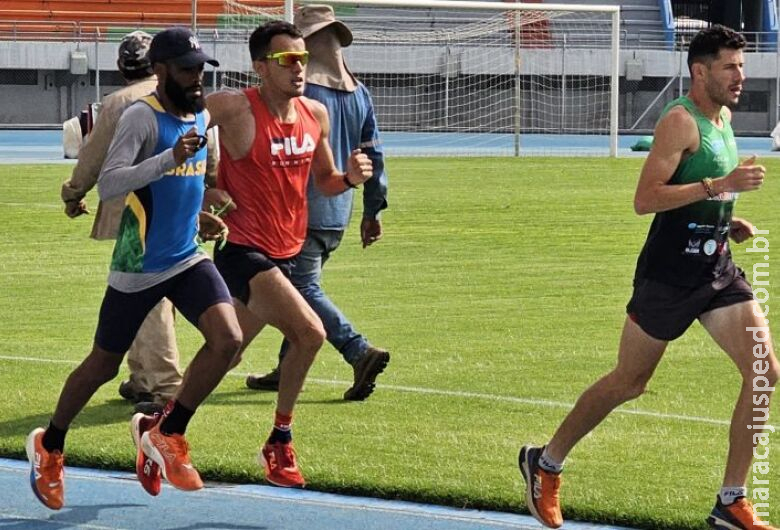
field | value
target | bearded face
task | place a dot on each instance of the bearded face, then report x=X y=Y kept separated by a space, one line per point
x=724 y=78
x=185 y=89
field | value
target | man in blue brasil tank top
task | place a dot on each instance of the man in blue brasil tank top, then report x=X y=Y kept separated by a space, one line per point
x=156 y=158
x=690 y=181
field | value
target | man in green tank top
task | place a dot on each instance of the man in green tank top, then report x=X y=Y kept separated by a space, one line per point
x=690 y=181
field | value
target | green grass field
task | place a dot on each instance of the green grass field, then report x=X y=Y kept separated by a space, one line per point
x=500 y=289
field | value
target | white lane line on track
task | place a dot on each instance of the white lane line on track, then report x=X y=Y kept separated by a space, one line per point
x=48 y=206
x=448 y=393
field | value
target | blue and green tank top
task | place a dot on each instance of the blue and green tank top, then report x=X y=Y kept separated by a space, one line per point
x=159 y=224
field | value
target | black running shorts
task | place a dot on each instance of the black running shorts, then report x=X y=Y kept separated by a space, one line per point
x=191 y=291
x=238 y=264
x=665 y=311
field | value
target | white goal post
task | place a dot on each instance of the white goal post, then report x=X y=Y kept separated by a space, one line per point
x=485 y=78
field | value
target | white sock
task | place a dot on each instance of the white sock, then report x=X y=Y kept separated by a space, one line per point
x=732 y=493
x=547 y=463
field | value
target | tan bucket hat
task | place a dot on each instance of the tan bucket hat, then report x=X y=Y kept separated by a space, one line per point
x=312 y=18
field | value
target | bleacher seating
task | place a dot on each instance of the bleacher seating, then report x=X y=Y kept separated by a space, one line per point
x=28 y=18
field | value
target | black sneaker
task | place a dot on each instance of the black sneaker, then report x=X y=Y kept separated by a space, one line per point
x=149 y=408
x=127 y=391
x=130 y=393
x=269 y=381
x=366 y=370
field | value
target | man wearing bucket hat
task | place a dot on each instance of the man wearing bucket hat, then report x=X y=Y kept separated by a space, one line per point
x=353 y=126
x=155 y=159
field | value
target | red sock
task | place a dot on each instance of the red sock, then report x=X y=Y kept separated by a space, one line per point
x=282 y=431
x=282 y=421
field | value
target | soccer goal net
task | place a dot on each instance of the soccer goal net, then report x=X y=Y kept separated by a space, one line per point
x=476 y=78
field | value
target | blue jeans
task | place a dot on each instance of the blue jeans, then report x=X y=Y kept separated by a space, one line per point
x=305 y=276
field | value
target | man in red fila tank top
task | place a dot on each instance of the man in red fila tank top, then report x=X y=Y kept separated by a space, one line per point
x=270 y=138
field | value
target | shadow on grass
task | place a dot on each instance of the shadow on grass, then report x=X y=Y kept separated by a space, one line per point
x=118 y=411
x=106 y=413
x=262 y=397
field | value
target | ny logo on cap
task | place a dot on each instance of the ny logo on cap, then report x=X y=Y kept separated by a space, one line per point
x=194 y=43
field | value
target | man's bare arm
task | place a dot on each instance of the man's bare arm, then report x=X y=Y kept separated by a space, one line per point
x=227 y=109
x=676 y=135
x=222 y=106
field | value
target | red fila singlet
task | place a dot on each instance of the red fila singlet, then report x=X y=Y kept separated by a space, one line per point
x=269 y=184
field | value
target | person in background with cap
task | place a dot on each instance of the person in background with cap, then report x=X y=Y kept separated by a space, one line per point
x=270 y=138
x=352 y=126
x=153 y=358
x=156 y=158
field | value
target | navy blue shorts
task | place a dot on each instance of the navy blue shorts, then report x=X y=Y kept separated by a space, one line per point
x=665 y=311
x=191 y=291
x=238 y=264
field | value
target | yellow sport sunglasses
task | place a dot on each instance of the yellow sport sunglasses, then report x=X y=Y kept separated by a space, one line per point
x=289 y=58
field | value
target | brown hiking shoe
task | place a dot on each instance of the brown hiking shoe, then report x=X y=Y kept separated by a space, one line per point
x=269 y=381
x=366 y=370
x=129 y=392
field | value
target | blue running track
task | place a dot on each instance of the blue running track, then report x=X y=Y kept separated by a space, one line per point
x=103 y=500
x=32 y=146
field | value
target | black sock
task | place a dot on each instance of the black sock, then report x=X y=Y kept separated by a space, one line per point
x=176 y=422
x=54 y=438
x=280 y=435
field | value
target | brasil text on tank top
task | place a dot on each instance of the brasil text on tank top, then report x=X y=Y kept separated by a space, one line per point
x=159 y=225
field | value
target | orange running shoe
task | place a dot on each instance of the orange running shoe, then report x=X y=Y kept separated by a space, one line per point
x=281 y=467
x=172 y=454
x=541 y=488
x=146 y=469
x=739 y=515
x=47 y=475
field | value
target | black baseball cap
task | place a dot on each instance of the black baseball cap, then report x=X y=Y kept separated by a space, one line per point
x=180 y=46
